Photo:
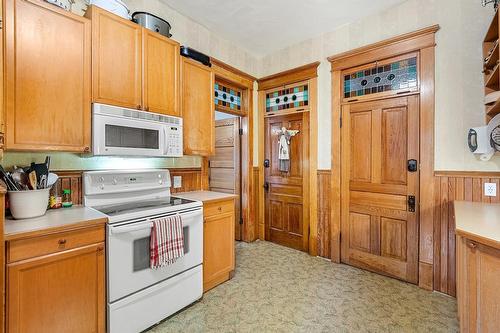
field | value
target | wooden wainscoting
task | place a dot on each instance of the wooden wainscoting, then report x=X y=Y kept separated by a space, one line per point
x=450 y=186
x=324 y=213
x=191 y=181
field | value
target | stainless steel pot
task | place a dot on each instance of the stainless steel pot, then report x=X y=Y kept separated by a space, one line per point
x=152 y=22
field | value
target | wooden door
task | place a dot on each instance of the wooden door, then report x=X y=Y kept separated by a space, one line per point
x=198 y=110
x=161 y=70
x=47 y=77
x=225 y=165
x=116 y=59
x=218 y=248
x=286 y=193
x=378 y=230
x=63 y=292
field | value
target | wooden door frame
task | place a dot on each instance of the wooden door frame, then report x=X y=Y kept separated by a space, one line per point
x=307 y=73
x=245 y=82
x=422 y=41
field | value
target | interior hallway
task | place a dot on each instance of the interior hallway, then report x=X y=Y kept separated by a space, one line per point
x=277 y=289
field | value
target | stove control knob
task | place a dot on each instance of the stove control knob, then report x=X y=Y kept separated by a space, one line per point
x=101 y=179
x=102 y=187
x=160 y=182
x=159 y=175
x=115 y=181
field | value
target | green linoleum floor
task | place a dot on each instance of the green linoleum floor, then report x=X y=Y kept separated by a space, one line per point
x=276 y=289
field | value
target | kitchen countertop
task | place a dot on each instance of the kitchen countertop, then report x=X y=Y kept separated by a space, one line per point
x=478 y=221
x=205 y=196
x=55 y=220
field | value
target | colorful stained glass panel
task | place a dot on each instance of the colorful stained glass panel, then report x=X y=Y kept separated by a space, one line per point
x=226 y=97
x=398 y=75
x=288 y=98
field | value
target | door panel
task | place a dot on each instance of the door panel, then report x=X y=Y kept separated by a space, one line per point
x=225 y=166
x=379 y=232
x=286 y=218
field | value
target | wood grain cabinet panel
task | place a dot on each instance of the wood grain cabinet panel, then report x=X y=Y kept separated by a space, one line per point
x=218 y=243
x=198 y=108
x=62 y=292
x=478 y=286
x=47 y=77
x=56 y=282
x=116 y=59
x=161 y=70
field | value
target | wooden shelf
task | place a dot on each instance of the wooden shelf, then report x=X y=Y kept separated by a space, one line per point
x=492 y=34
x=492 y=62
x=493 y=110
x=492 y=80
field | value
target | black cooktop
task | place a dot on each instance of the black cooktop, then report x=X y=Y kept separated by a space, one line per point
x=132 y=207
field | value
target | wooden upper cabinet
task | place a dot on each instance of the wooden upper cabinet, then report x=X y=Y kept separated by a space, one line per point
x=47 y=77
x=116 y=59
x=198 y=108
x=161 y=57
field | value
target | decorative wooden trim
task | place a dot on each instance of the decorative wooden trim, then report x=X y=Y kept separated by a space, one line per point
x=290 y=76
x=422 y=41
x=236 y=76
x=387 y=48
x=304 y=73
x=324 y=213
x=473 y=174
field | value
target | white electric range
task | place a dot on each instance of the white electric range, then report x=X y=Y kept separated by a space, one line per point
x=138 y=296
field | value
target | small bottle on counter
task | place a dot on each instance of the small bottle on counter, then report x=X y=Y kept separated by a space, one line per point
x=55 y=201
x=66 y=199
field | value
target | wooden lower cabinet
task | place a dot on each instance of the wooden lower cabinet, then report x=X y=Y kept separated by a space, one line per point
x=63 y=291
x=478 y=286
x=218 y=243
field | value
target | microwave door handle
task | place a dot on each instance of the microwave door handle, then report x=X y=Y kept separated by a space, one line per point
x=165 y=140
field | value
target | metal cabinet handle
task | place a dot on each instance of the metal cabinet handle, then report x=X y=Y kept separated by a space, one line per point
x=471 y=244
x=62 y=242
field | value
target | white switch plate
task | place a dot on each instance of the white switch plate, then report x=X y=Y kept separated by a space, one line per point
x=490 y=189
x=177 y=181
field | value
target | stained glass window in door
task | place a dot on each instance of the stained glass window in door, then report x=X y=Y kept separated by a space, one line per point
x=401 y=74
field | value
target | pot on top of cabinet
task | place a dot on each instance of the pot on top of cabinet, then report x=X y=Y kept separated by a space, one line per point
x=152 y=22
x=145 y=75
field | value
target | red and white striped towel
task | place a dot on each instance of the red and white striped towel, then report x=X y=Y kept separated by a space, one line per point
x=167 y=241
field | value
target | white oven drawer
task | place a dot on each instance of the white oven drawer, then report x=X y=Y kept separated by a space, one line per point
x=147 y=307
x=128 y=255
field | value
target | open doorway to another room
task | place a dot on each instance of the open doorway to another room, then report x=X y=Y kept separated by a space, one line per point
x=225 y=164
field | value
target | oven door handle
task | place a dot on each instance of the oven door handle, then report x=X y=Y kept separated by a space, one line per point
x=131 y=228
x=148 y=224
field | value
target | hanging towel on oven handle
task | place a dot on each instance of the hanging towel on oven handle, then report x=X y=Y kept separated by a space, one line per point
x=167 y=241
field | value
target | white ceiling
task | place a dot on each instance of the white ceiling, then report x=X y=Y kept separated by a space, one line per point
x=264 y=26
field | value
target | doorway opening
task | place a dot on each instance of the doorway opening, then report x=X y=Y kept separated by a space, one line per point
x=224 y=173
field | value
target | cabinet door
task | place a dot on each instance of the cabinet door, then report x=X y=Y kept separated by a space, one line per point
x=64 y=292
x=482 y=289
x=116 y=59
x=198 y=108
x=160 y=73
x=47 y=77
x=218 y=249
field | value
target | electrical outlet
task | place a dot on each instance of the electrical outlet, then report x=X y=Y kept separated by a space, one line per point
x=177 y=181
x=490 y=189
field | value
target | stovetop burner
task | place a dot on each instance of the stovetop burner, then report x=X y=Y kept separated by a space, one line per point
x=132 y=207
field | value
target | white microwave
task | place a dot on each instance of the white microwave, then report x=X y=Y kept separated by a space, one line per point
x=126 y=132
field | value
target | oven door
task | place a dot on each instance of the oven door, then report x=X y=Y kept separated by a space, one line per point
x=112 y=135
x=128 y=254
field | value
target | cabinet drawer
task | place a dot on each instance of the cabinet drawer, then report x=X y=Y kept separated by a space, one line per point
x=39 y=246
x=217 y=208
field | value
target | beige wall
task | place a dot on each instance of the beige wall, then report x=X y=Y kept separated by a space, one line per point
x=459 y=82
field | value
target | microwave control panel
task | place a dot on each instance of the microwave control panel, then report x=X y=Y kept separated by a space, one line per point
x=174 y=141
